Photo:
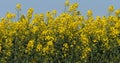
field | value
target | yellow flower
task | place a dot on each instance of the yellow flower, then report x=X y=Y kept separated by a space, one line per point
x=50 y=43
x=114 y=32
x=65 y=45
x=89 y=13
x=30 y=12
x=85 y=53
x=61 y=29
x=49 y=38
x=88 y=49
x=54 y=12
x=107 y=46
x=111 y=8
x=18 y=6
x=10 y=15
x=73 y=7
x=39 y=47
x=35 y=29
x=94 y=40
x=67 y=3
x=84 y=39
x=117 y=12
x=30 y=46
x=13 y=15
x=45 y=49
x=48 y=14
x=8 y=53
x=42 y=16
x=44 y=32
x=30 y=43
x=8 y=42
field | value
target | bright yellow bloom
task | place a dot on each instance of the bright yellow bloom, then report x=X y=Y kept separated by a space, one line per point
x=42 y=16
x=30 y=46
x=114 y=32
x=18 y=6
x=85 y=53
x=13 y=15
x=8 y=42
x=39 y=47
x=61 y=30
x=89 y=13
x=49 y=38
x=10 y=15
x=50 y=43
x=117 y=12
x=73 y=7
x=84 y=39
x=48 y=14
x=111 y=8
x=30 y=12
x=46 y=49
x=67 y=3
x=35 y=29
x=54 y=12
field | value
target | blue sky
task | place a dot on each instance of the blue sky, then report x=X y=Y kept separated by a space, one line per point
x=99 y=7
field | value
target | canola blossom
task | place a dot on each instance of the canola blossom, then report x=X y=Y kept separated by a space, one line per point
x=18 y=6
x=66 y=38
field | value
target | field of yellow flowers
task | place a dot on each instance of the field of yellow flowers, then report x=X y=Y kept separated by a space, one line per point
x=65 y=38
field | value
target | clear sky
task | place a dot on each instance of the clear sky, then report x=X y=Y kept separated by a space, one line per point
x=99 y=7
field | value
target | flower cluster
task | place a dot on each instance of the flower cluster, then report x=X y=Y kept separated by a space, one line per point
x=65 y=38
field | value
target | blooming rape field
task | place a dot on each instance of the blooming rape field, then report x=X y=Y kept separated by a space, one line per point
x=65 y=38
